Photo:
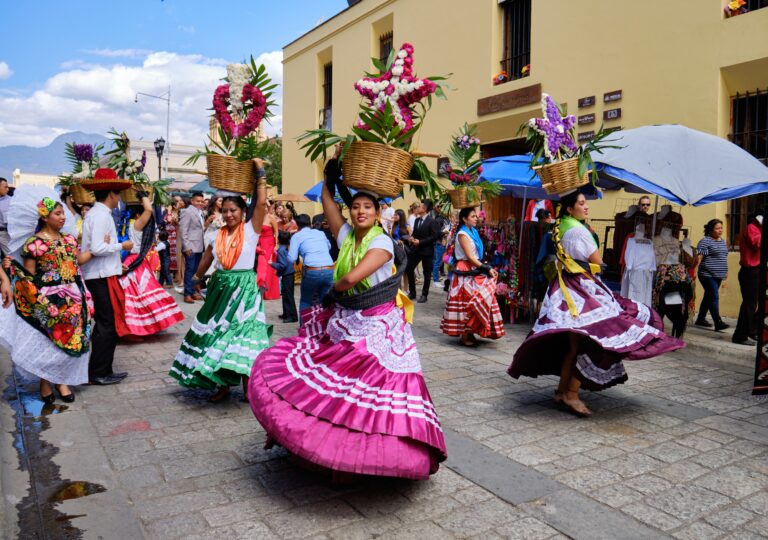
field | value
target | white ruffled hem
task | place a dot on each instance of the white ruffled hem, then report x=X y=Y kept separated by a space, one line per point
x=34 y=354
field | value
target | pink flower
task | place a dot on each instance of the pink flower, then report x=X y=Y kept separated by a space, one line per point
x=37 y=248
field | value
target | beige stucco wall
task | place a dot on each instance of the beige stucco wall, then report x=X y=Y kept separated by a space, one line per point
x=676 y=62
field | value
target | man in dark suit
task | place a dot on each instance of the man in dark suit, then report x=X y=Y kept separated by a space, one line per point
x=426 y=231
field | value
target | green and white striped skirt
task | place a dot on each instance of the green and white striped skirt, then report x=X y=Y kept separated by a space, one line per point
x=227 y=335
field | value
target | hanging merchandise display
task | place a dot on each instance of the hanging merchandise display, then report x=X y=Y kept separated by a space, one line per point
x=502 y=248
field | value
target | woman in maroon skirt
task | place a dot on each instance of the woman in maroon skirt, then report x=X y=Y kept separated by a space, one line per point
x=584 y=330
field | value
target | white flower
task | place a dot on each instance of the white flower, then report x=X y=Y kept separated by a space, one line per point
x=560 y=129
x=397 y=71
x=238 y=76
x=402 y=54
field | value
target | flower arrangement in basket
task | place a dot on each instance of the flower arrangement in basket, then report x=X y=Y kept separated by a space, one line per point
x=239 y=106
x=735 y=7
x=123 y=163
x=561 y=164
x=377 y=156
x=464 y=171
x=84 y=159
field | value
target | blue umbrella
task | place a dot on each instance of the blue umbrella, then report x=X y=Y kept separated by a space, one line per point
x=315 y=193
x=514 y=174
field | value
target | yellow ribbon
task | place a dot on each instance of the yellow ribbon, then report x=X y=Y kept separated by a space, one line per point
x=406 y=304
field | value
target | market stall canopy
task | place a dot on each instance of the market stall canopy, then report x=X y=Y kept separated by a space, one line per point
x=290 y=197
x=682 y=165
x=514 y=174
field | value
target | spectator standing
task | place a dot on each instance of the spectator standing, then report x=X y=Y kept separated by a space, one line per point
x=192 y=243
x=426 y=231
x=100 y=238
x=437 y=265
x=287 y=272
x=749 y=280
x=713 y=269
x=387 y=215
x=317 y=274
x=5 y=203
x=165 y=279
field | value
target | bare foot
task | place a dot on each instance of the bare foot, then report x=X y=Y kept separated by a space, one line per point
x=576 y=405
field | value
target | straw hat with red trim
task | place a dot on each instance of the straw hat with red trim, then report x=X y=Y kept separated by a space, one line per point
x=105 y=179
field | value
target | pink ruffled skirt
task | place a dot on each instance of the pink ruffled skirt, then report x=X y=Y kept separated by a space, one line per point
x=347 y=394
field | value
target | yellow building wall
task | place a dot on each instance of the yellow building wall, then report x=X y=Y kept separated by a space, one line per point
x=675 y=62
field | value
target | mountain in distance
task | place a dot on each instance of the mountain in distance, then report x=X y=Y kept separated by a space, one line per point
x=47 y=159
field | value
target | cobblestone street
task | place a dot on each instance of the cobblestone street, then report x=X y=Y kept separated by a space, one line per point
x=679 y=451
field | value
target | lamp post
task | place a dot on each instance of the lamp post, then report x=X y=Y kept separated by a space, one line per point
x=167 y=98
x=159 y=147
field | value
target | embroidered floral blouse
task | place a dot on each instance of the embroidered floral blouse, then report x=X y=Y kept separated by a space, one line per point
x=56 y=259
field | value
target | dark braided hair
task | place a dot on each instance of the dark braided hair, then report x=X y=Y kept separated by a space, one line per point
x=147 y=241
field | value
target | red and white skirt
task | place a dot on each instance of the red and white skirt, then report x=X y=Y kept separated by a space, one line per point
x=142 y=307
x=472 y=306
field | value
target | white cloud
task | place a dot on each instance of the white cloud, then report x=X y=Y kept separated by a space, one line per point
x=5 y=71
x=94 y=98
x=118 y=53
x=187 y=29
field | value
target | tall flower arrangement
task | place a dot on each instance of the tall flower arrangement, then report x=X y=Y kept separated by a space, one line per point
x=465 y=165
x=395 y=103
x=122 y=161
x=552 y=139
x=239 y=106
x=84 y=159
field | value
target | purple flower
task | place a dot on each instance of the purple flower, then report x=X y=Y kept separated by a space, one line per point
x=83 y=152
x=143 y=161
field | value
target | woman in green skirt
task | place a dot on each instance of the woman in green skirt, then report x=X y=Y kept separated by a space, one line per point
x=230 y=329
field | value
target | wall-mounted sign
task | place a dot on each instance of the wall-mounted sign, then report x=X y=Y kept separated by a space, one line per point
x=612 y=114
x=509 y=100
x=585 y=119
x=585 y=136
x=586 y=102
x=612 y=129
x=612 y=96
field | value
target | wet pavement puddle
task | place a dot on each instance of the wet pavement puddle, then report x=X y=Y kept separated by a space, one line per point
x=38 y=514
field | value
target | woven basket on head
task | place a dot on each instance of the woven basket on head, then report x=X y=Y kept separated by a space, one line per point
x=80 y=195
x=376 y=168
x=561 y=176
x=129 y=195
x=228 y=174
x=462 y=198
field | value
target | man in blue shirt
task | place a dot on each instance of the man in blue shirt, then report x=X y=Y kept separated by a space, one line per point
x=314 y=249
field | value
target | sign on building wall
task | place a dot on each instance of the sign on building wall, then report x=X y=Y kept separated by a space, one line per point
x=509 y=100
x=615 y=95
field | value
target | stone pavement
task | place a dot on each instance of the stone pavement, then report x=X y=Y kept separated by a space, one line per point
x=679 y=451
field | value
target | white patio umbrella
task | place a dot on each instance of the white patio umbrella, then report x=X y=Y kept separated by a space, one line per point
x=680 y=164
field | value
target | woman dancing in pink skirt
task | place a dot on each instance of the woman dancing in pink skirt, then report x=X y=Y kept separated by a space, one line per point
x=347 y=393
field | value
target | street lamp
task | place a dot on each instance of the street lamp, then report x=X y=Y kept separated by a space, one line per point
x=159 y=147
x=167 y=98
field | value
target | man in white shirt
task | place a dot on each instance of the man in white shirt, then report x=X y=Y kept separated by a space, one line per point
x=387 y=215
x=100 y=238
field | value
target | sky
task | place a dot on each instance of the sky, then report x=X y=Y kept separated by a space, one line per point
x=77 y=65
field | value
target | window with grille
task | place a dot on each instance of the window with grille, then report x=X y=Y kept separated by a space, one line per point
x=517 y=38
x=752 y=5
x=749 y=130
x=326 y=111
x=385 y=46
